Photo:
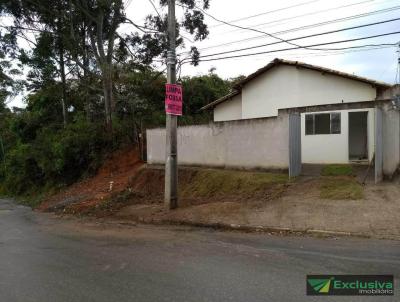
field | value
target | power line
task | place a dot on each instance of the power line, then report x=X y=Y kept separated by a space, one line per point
x=332 y=53
x=266 y=33
x=128 y=2
x=155 y=8
x=313 y=45
x=251 y=29
x=352 y=17
x=397 y=78
x=304 y=37
x=308 y=14
x=319 y=54
x=267 y=12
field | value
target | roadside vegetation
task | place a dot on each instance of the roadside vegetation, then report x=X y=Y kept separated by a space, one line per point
x=138 y=184
x=41 y=153
x=88 y=89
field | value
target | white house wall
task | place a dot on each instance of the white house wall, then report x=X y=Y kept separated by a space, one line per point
x=229 y=110
x=334 y=148
x=289 y=86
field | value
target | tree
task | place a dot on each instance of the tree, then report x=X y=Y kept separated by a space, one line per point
x=8 y=54
x=42 y=19
x=101 y=19
x=86 y=33
x=201 y=90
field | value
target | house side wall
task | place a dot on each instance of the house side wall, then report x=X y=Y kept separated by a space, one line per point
x=334 y=148
x=250 y=144
x=290 y=86
x=229 y=110
x=390 y=140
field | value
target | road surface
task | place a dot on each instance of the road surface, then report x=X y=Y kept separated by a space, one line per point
x=48 y=259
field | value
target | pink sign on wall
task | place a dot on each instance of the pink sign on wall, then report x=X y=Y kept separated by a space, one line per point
x=173 y=99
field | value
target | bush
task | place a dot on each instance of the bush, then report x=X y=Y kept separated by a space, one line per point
x=56 y=156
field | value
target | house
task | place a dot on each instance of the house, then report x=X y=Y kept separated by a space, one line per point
x=290 y=113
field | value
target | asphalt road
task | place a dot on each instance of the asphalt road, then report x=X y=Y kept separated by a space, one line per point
x=47 y=259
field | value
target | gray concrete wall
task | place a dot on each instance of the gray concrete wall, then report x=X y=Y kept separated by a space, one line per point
x=391 y=140
x=388 y=93
x=256 y=143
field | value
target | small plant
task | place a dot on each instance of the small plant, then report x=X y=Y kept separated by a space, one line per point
x=337 y=188
x=337 y=170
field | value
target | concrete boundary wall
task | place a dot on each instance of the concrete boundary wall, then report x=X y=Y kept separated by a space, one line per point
x=248 y=144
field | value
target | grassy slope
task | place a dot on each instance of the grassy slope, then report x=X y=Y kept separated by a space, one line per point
x=340 y=188
x=337 y=170
x=208 y=183
x=338 y=182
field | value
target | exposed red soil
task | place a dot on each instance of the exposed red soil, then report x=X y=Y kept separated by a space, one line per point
x=119 y=168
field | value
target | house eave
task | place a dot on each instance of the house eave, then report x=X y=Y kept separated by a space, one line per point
x=238 y=87
x=324 y=70
x=220 y=100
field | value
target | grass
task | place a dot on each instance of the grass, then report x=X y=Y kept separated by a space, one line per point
x=337 y=170
x=340 y=188
x=207 y=183
x=31 y=200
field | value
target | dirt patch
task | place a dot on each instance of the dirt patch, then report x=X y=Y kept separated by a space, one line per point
x=112 y=178
x=124 y=181
x=213 y=196
x=200 y=186
x=299 y=207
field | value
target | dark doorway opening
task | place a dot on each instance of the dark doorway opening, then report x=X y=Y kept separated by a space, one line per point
x=358 y=135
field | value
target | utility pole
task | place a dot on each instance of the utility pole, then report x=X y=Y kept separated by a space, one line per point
x=397 y=80
x=171 y=162
x=3 y=155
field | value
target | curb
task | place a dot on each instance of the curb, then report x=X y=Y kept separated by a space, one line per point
x=275 y=230
x=265 y=229
x=259 y=229
x=217 y=226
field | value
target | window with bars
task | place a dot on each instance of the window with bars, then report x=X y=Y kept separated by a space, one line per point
x=323 y=123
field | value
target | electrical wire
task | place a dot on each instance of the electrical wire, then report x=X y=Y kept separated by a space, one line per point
x=333 y=53
x=267 y=12
x=306 y=14
x=266 y=33
x=128 y=2
x=248 y=28
x=155 y=8
x=314 y=25
x=319 y=54
x=312 y=45
x=305 y=37
x=397 y=78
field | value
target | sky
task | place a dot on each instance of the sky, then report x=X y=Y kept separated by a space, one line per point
x=288 y=19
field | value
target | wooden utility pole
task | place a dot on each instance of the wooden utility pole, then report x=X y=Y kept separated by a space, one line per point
x=3 y=155
x=171 y=162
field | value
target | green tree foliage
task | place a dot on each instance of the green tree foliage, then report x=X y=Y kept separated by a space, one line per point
x=198 y=92
x=41 y=152
x=81 y=75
